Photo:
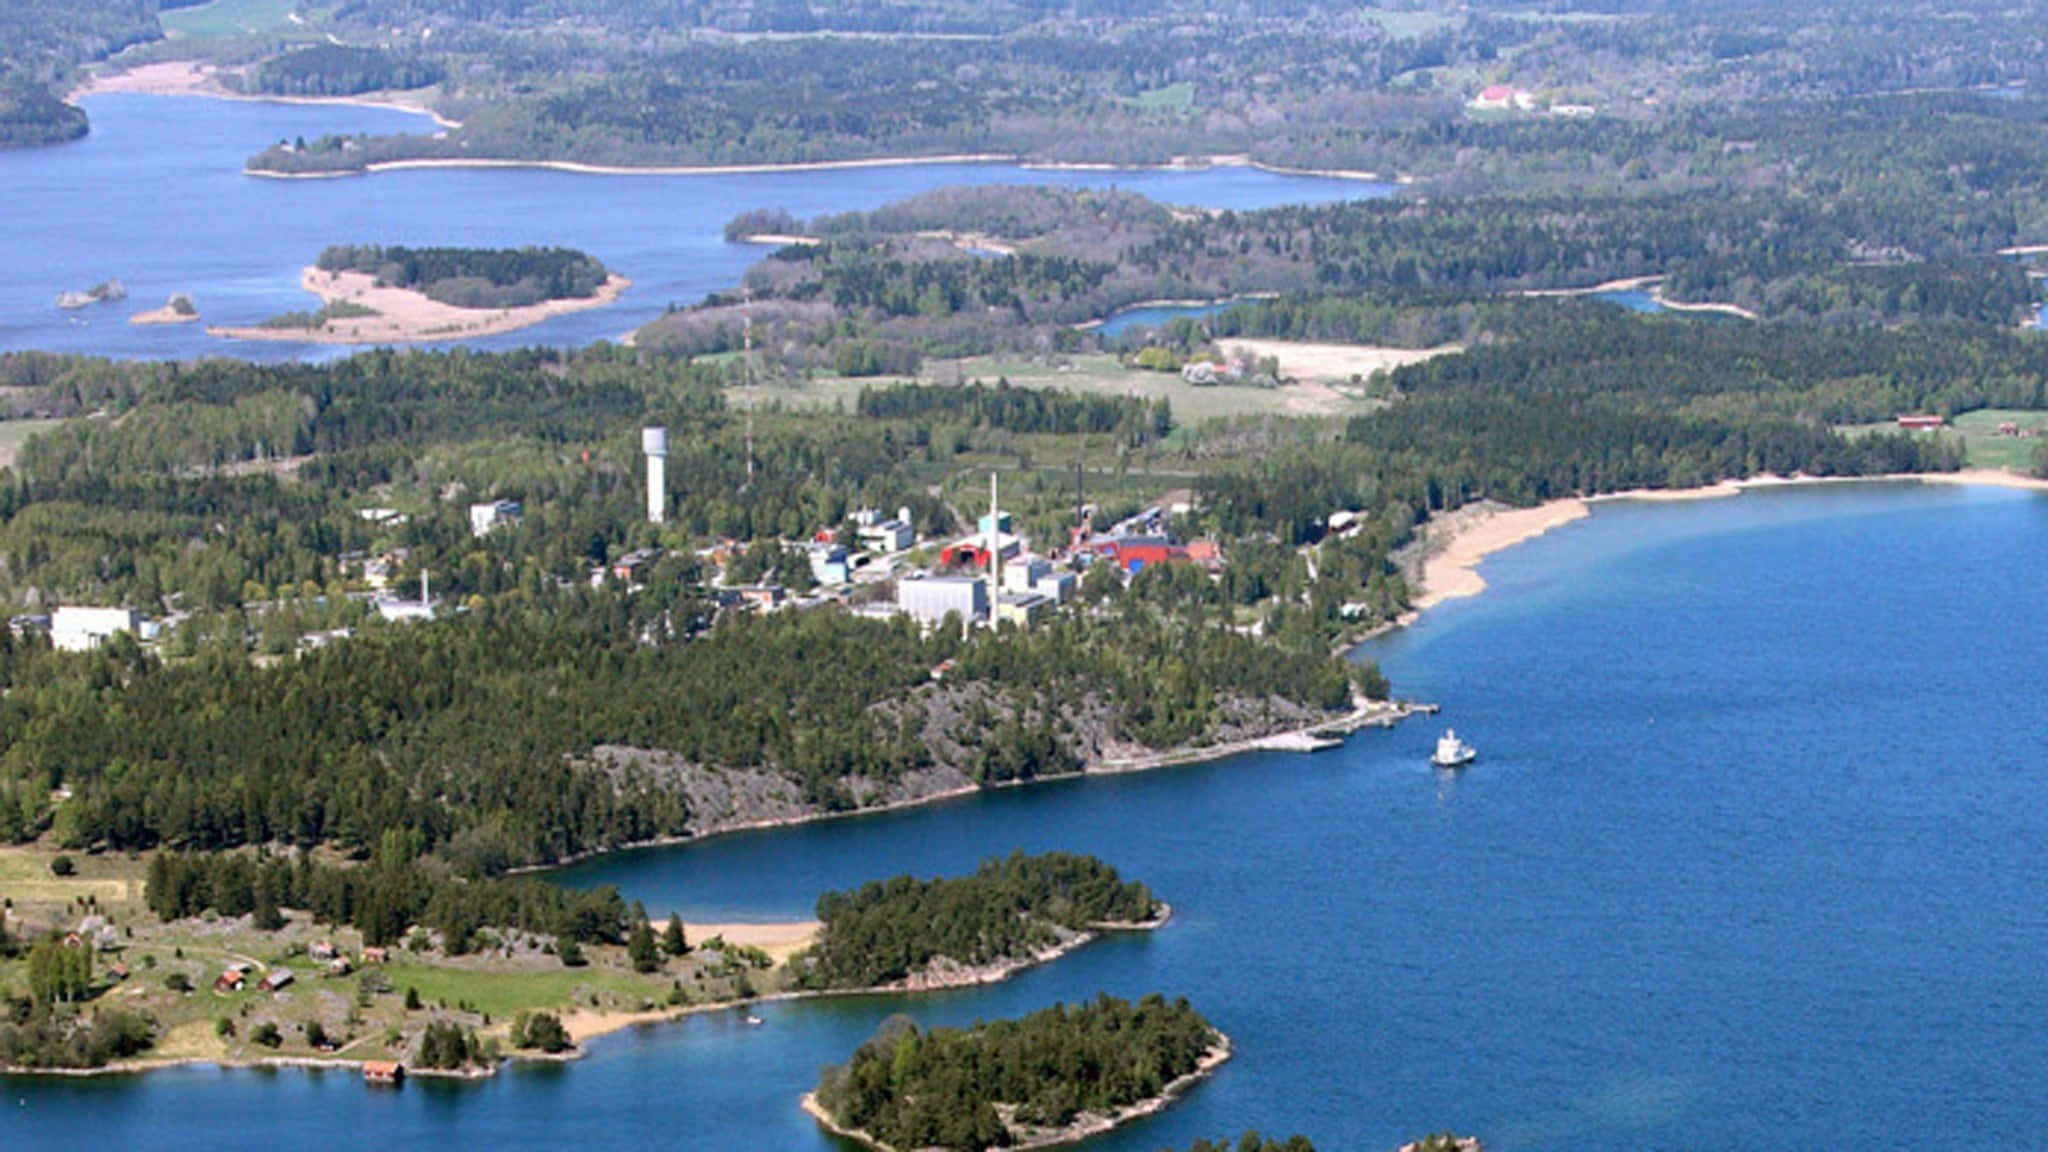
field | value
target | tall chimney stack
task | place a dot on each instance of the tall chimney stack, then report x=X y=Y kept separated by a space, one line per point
x=654 y=444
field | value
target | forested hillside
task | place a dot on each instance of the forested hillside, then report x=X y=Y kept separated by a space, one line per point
x=42 y=42
x=1309 y=84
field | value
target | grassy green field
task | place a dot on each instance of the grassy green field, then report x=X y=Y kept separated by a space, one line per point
x=501 y=994
x=15 y=433
x=363 y=1010
x=228 y=19
x=1988 y=449
x=1983 y=446
x=1086 y=374
x=1172 y=98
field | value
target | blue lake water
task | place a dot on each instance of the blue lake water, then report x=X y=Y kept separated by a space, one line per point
x=1158 y=315
x=156 y=197
x=1633 y=299
x=1753 y=858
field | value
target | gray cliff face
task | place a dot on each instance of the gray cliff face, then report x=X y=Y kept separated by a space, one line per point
x=955 y=724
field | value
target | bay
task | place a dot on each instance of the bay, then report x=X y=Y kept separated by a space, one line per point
x=1752 y=858
x=156 y=197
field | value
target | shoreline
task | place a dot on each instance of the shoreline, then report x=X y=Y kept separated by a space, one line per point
x=1451 y=572
x=760 y=168
x=582 y=169
x=1654 y=284
x=1083 y=1127
x=198 y=78
x=1300 y=738
x=584 y=1026
x=201 y=78
x=409 y=316
x=1168 y=302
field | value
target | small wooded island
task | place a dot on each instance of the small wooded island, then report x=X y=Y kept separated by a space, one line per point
x=378 y=294
x=1050 y=1078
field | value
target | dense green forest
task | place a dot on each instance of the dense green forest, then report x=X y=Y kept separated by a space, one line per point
x=32 y=116
x=892 y=278
x=469 y=733
x=42 y=40
x=1007 y=910
x=1612 y=89
x=42 y=43
x=382 y=899
x=941 y=1089
x=474 y=277
x=339 y=70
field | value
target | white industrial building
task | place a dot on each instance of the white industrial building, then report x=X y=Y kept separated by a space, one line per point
x=484 y=517
x=1036 y=574
x=933 y=598
x=75 y=629
x=828 y=564
x=887 y=536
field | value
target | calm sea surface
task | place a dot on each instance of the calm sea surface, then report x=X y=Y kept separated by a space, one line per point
x=156 y=197
x=1753 y=858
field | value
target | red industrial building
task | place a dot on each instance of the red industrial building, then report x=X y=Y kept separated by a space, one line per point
x=1132 y=553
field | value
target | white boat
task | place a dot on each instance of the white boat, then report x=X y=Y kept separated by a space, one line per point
x=1452 y=752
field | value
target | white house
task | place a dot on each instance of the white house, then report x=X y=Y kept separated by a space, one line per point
x=74 y=629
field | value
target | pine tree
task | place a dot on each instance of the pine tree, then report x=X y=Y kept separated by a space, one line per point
x=672 y=940
x=641 y=949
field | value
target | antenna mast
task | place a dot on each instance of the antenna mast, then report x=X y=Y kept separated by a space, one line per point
x=747 y=384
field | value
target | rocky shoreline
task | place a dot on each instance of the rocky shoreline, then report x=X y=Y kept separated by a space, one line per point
x=772 y=801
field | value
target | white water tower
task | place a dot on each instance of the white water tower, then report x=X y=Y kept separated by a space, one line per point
x=654 y=444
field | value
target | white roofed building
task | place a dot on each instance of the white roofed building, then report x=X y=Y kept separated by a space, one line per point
x=75 y=629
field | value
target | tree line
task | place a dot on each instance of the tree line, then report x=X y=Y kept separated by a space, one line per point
x=340 y=70
x=1023 y=410
x=382 y=899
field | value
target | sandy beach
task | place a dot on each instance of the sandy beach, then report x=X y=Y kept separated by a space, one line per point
x=1655 y=284
x=197 y=78
x=406 y=316
x=1452 y=570
x=1625 y=284
x=766 y=168
x=1459 y=541
x=164 y=315
x=667 y=170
